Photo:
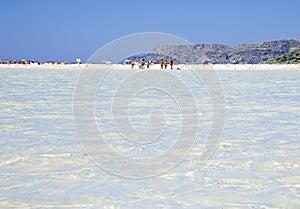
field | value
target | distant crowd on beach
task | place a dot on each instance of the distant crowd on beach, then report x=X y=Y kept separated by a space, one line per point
x=30 y=62
x=142 y=64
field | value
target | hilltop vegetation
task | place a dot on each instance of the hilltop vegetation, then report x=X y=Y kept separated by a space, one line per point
x=291 y=58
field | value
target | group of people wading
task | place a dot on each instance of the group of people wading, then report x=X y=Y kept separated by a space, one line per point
x=163 y=64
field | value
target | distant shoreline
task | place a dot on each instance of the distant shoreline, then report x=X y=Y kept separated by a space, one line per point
x=157 y=67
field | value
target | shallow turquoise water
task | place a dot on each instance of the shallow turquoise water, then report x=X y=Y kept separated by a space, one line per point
x=256 y=164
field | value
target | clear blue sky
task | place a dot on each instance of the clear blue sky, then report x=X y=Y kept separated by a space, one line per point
x=67 y=29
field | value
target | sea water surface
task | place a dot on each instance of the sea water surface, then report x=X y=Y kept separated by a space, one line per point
x=255 y=165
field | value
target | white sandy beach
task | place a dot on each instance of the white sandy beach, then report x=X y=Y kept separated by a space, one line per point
x=157 y=66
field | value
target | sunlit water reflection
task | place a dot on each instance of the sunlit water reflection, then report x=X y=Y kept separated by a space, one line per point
x=256 y=164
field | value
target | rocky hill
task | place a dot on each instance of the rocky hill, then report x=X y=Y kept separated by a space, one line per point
x=222 y=54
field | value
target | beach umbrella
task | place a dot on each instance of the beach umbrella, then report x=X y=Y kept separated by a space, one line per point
x=106 y=62
x=127 y=61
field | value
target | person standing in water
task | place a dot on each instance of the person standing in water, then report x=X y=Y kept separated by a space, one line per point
x=132 y=64
x=171 y=63
x=148 y=64
x=161 y=64
x=143 y=64
x=166 y=64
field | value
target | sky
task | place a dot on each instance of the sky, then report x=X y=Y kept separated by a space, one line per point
x=63 y=30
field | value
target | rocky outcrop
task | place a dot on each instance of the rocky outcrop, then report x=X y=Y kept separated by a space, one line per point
x=222 y=54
